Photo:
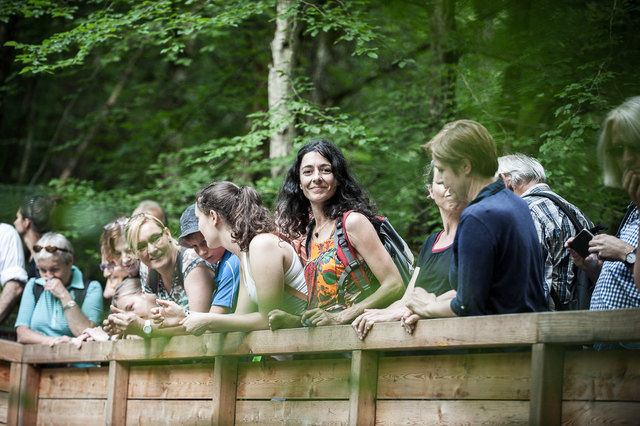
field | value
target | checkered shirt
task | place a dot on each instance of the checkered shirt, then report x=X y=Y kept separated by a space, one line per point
x=615 y=288
x=554 y=229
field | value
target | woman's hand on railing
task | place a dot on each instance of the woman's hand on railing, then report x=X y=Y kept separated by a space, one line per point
x=365 y=321
x=318 y=317
x=91 y=334
x=196 y=322
x=409 y=321
x=169 y=314
x=57 y=340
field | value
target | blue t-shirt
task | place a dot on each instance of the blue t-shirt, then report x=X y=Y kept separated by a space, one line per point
x=497 y=260
x=47 y=316
x=227 y=279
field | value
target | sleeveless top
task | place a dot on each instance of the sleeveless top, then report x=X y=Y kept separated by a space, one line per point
x=322 y=272
x=293 y=277
x=434 y=266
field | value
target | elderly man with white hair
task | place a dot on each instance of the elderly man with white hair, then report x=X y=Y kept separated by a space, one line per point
x=526 y=177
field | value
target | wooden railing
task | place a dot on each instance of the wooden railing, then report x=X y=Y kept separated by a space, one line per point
x=448 y=372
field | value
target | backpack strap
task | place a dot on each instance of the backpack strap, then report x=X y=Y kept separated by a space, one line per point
x=78 y=293
x=345 y=253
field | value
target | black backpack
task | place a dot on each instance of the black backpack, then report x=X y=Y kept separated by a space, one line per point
x=581 y=288
x=392 y=241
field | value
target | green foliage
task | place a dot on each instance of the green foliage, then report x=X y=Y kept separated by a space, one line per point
x=192 y=105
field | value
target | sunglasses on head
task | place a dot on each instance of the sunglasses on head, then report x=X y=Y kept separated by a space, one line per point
x=50 y=249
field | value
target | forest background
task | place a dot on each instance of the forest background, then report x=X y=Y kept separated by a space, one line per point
x=107 y=103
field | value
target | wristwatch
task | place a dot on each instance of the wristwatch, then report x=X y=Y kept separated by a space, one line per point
x=146 y=329
x=630 y=258
x=70 y=304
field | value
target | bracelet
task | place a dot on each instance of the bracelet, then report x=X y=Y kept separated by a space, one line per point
x=70 y=304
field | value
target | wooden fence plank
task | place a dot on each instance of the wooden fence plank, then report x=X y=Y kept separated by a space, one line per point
x=364 y=385
x=605 y=375
x=267 y=413
x=90 y=383
x=600 y=413
x=488 y=331
x=225 y=381
x=547 y=367
x=579 y=327
x=188 y=381
x=11 y=351
x=4 y=407
x=471 y=376
x=451 y=412
x=28 y=395
x=70 y=412
x=5 y=374
x=308 y=379
x=14 y=393
x=151 y=412
x=116 y=407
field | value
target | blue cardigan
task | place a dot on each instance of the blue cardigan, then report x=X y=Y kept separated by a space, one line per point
x=497 y=260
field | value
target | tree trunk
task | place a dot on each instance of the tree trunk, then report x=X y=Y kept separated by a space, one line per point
x=113 y=98
x=281 y=85
x=445 y=59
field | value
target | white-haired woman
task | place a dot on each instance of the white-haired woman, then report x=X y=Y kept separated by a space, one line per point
x=60 y=304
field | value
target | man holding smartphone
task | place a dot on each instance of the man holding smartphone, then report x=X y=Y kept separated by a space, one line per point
x=526 y=177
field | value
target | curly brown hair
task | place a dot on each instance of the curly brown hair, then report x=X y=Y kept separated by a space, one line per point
x=240 y=206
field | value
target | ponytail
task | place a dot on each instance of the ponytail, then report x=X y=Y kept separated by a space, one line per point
x=240 y=206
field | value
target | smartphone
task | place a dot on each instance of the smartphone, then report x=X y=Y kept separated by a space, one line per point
x=581 y=242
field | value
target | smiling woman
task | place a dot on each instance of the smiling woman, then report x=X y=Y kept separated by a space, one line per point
x=167 y=270
x=317 y=190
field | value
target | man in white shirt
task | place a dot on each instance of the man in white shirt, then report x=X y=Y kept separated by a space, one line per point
x=12 y=273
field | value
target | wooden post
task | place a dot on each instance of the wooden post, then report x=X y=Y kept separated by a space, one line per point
x=117 y=392
x=15 y=375
x=225 y=378
x=29 y=387
x=364 y=386
x=547 y=369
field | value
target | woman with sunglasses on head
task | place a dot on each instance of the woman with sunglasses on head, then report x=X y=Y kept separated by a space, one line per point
x=271 y=275
x=167 y=270
x=59 y=304
x=118 y=261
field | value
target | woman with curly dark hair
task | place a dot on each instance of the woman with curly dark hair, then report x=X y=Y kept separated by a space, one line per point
x=271 y=274
x=317 y=190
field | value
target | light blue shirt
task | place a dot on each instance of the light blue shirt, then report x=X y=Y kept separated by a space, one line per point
x=47 y=316
x=227 y=279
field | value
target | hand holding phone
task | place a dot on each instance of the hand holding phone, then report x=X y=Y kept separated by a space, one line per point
x=581 y=243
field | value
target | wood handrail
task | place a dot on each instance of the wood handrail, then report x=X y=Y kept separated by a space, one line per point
x=565 y=328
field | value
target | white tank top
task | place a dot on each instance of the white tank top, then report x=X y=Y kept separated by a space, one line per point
x=293 y=277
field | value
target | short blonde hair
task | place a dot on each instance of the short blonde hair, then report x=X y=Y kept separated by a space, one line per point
x=132 y=230
x=56 y=240
x=465 y=139
x=626 y=120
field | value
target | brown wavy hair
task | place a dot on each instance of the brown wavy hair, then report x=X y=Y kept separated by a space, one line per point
x=240 y=206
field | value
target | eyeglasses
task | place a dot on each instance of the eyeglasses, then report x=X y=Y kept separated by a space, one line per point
x=104 y=266
x=50 y=249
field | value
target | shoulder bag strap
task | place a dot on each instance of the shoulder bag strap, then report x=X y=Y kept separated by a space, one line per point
x=572 y=217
